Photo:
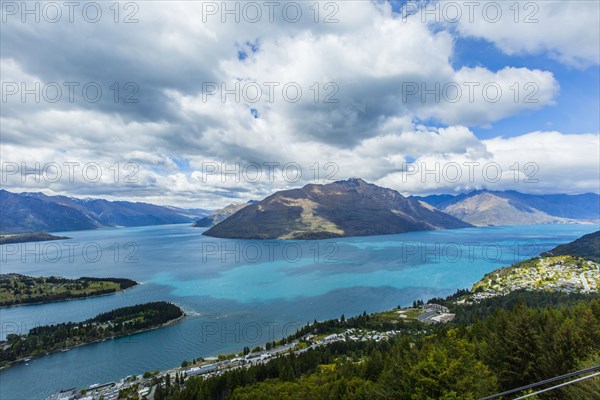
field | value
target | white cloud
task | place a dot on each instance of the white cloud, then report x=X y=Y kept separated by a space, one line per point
x=566 y=30
x=478 y=96
x=372 y=56
x=536 y=162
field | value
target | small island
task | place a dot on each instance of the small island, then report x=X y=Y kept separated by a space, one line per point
x=16 y=289
x=61 y=337
x=7 y=238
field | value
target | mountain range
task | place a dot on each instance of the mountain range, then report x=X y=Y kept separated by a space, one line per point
x=343 y=208
x=29 y=212
x=485 y=207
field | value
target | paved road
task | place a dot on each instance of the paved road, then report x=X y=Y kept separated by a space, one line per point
x=586 y=285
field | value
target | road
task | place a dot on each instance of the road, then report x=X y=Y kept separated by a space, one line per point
x=586 y=285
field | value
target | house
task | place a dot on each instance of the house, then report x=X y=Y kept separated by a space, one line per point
x=201 y=370
x=437 y=307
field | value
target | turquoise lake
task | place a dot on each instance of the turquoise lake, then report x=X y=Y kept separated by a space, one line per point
x=240 y=293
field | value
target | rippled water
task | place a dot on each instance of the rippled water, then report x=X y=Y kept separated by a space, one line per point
x=239 y=293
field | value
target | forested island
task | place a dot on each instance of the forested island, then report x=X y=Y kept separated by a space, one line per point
x=16 y=289
x=119 y=322
x=7 y=238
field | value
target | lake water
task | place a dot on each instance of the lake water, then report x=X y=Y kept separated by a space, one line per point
x=240 y=293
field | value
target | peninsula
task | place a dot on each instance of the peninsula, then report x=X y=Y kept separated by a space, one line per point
x=8 y=238
x=16 y=289
x=61 y=337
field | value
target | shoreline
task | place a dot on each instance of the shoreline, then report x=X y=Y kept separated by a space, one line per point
x=6 y=238
x=30 y=358
x=38 y=303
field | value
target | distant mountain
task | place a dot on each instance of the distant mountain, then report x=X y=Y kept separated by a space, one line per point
x=485 y=207
x=490 y=209
x=29 y=212
x=190 y=212
x=220 y=215
x=344 y=208
x=587 y=246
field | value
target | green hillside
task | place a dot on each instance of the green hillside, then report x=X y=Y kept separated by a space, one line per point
x=587 y=246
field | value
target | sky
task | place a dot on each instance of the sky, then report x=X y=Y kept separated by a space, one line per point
x=202 y=103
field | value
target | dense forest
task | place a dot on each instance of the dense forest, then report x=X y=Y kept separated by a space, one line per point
x=20 y=289
x=119 y=322
x=470 y=313
x=494 y=346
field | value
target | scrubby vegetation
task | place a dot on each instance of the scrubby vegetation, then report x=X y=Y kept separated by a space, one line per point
x=28 y=237
x=587 y=246
x=20 y=289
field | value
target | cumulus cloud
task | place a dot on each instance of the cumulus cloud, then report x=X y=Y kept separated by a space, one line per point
x=565 y=30
x=212 y=97
x=536 y=162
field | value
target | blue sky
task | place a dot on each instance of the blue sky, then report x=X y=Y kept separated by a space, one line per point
x=577 y=105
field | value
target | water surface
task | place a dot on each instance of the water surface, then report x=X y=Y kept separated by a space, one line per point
x=239 y=292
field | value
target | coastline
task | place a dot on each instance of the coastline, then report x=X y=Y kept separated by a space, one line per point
x=69 y=299
x=29 y=358
x=22 y=238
